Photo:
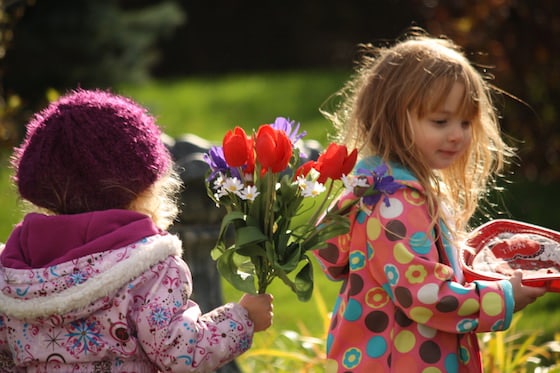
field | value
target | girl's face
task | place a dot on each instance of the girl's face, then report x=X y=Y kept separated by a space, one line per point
x=442 y=136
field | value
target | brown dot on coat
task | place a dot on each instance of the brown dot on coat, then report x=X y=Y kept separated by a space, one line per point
x=334 y=322
x=395 y=230
x=356 y=284
x=401 y=319
x=376 y=321
x=403 y=296
x=329 y=253
x=338 y=271
x=447 y=304
x=430 y=352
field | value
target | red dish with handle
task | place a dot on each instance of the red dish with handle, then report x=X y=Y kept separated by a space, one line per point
x=517 y=254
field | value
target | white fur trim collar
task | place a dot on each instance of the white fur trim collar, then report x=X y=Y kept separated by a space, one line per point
x=78 y=296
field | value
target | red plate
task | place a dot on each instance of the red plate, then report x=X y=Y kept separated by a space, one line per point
x=486 y=232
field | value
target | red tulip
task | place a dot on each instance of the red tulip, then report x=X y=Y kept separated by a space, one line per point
x=273 y=148
x=335 y=162
x=304 y=169
x=238 y=149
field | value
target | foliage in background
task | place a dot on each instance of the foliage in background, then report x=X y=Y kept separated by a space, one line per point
x=513 y=351
x=10 y=104
x=64 y=44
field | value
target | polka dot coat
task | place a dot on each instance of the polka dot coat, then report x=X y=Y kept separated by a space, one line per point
x=400 y=308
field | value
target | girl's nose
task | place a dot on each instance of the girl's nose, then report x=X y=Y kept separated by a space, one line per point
x=456 y=133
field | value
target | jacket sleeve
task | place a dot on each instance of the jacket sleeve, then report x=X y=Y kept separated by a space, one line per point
x=6 y=359
x=172 y=330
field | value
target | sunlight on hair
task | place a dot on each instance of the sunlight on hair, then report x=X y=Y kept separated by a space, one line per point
x=160 y=201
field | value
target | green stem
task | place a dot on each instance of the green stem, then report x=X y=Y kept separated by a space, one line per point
x=263 y=270
x=319 y=211
x=284 y=277
x=264 y=275
x=269 y=212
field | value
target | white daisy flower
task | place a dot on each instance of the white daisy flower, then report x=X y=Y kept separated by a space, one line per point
x=301 y=182
x=350 y=182
x=218 y=181
x=249 y=193
x=233 y=185
x=220 y=193
x=311 y=188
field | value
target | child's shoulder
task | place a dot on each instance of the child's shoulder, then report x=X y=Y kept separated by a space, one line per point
x=401 y=174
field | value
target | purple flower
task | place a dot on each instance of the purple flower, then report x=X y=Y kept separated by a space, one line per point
x=217 y=162
x=383 y=185
x=285 y=125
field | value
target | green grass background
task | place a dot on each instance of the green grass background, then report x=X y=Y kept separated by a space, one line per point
x=208 y=106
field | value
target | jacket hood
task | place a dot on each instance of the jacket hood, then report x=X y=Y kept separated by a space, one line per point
x=90 y=273
x=40 y=241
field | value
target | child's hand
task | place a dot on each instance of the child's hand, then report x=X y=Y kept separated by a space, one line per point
x=259 y=308
x=523 y=295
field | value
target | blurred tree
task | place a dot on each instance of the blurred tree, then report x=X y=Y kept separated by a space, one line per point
x=10 y=12
x=247 y=35
x=88 y=43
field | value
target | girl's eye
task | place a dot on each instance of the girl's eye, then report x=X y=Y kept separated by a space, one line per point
x=440 y=122
x=466 y=123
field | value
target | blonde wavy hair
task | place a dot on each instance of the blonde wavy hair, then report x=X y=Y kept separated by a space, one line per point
x=415 y=76
x=160 y=201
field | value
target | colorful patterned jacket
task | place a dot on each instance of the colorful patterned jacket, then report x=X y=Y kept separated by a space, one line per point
x=77 y=297
x=400 y=308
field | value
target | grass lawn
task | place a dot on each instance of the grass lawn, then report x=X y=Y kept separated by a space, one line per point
x=209 y=106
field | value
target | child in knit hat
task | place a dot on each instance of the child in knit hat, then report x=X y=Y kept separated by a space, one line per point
x=92 y=281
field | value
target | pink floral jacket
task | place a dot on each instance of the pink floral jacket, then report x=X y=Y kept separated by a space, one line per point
x=403 y=305
x=120 y=310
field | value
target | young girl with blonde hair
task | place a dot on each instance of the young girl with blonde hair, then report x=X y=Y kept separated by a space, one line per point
x=92 y=281
x=422 y=110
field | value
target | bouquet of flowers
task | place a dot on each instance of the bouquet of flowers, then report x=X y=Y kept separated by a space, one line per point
x=277 y=204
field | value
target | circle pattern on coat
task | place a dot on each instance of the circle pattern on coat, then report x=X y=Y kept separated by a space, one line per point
x=422 y=289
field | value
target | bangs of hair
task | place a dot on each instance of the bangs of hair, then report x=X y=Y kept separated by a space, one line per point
x=436 y=94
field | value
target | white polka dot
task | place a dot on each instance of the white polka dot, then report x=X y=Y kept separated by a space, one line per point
x=395 y=208
x=426 y=331
x=428 y=294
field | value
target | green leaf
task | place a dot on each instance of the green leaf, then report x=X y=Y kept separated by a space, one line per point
x=218 y=250
x=325 y=232
x=230 y=270
x=256 y=210
x=251 y=250
x=282 y=238
x=304 y=282
x=293 y=258
x=230 y=218
x=249 y=235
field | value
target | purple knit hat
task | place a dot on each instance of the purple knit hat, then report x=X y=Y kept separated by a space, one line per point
x=90 y=150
